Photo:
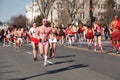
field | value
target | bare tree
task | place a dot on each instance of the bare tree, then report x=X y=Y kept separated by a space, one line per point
x=63 y=18
x=19 y=20
x=110 y=11
x=44 y=7
x=72 y=8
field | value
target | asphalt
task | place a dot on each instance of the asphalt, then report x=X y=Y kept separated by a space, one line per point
x=70 y=64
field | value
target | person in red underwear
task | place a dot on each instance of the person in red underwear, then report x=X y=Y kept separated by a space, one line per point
x=74 y=28
x=81 y=30
x=115 y=34
x=89 y=36
x=34 y=40
x=70 y=35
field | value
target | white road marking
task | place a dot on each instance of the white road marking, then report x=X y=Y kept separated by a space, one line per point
x=29 y=52
x=49 y=62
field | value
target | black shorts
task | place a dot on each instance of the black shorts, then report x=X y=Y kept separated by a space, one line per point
x=71 y=35
x=97 y=34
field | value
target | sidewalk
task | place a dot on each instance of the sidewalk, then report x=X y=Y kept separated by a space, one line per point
x=83 y=46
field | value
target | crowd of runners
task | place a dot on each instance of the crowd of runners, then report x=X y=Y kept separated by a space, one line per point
x=45 y=38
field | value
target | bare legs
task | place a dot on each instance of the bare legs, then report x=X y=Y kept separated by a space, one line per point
x=98 y=41
x=44 y=51
x=71 y=40
x=89 y=42
x=61 y=40
x=35 y=50
x=53 y=49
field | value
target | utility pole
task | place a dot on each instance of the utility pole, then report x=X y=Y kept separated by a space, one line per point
x=92 y=19
x=51 y=16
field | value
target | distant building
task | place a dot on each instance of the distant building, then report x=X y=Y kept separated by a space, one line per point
x=4 y=26
x=32 y=10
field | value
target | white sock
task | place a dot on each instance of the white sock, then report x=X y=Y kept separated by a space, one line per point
x=45 y=60
x=70 y=42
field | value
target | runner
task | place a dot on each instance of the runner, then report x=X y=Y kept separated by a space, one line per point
x=2 y=36
x=74 y=28
x=70 y=35
x=106 y=32
x=89 y=36
x=53 y=40
x=20 y=33
x=34 y=40
x=61 y=35
x=115 y=34
x=81 y=33
x=7 y=38
x=98 y=36
x=14 y=34
x=43 y=32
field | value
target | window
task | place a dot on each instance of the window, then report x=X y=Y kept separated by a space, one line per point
x=98 y=6
x=73 y=16
x=59 y=14
x=82 y=6
x=59 y=5
x=119 y=6
x=82 y=15
x=116 y=6
x=103 y=6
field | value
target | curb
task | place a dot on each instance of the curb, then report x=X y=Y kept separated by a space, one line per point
x=85 y=49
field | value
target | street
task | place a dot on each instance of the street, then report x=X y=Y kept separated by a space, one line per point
x=69 y=64
x=87 y=34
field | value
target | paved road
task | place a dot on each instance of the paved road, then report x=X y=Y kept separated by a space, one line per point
x=69 y=64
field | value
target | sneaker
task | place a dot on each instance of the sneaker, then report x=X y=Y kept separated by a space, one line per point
x=90 y=47
x=35 y=59
x=117 y=52
x=95 y=50
x=45 y=64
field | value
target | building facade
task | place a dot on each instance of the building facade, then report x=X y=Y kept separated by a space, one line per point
x=4 y=26
x=32 y=10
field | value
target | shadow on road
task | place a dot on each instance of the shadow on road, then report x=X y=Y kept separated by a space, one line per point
x=67 y=68
x=54 y=71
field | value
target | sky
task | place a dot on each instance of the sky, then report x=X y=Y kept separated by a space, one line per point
x=9 y=8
